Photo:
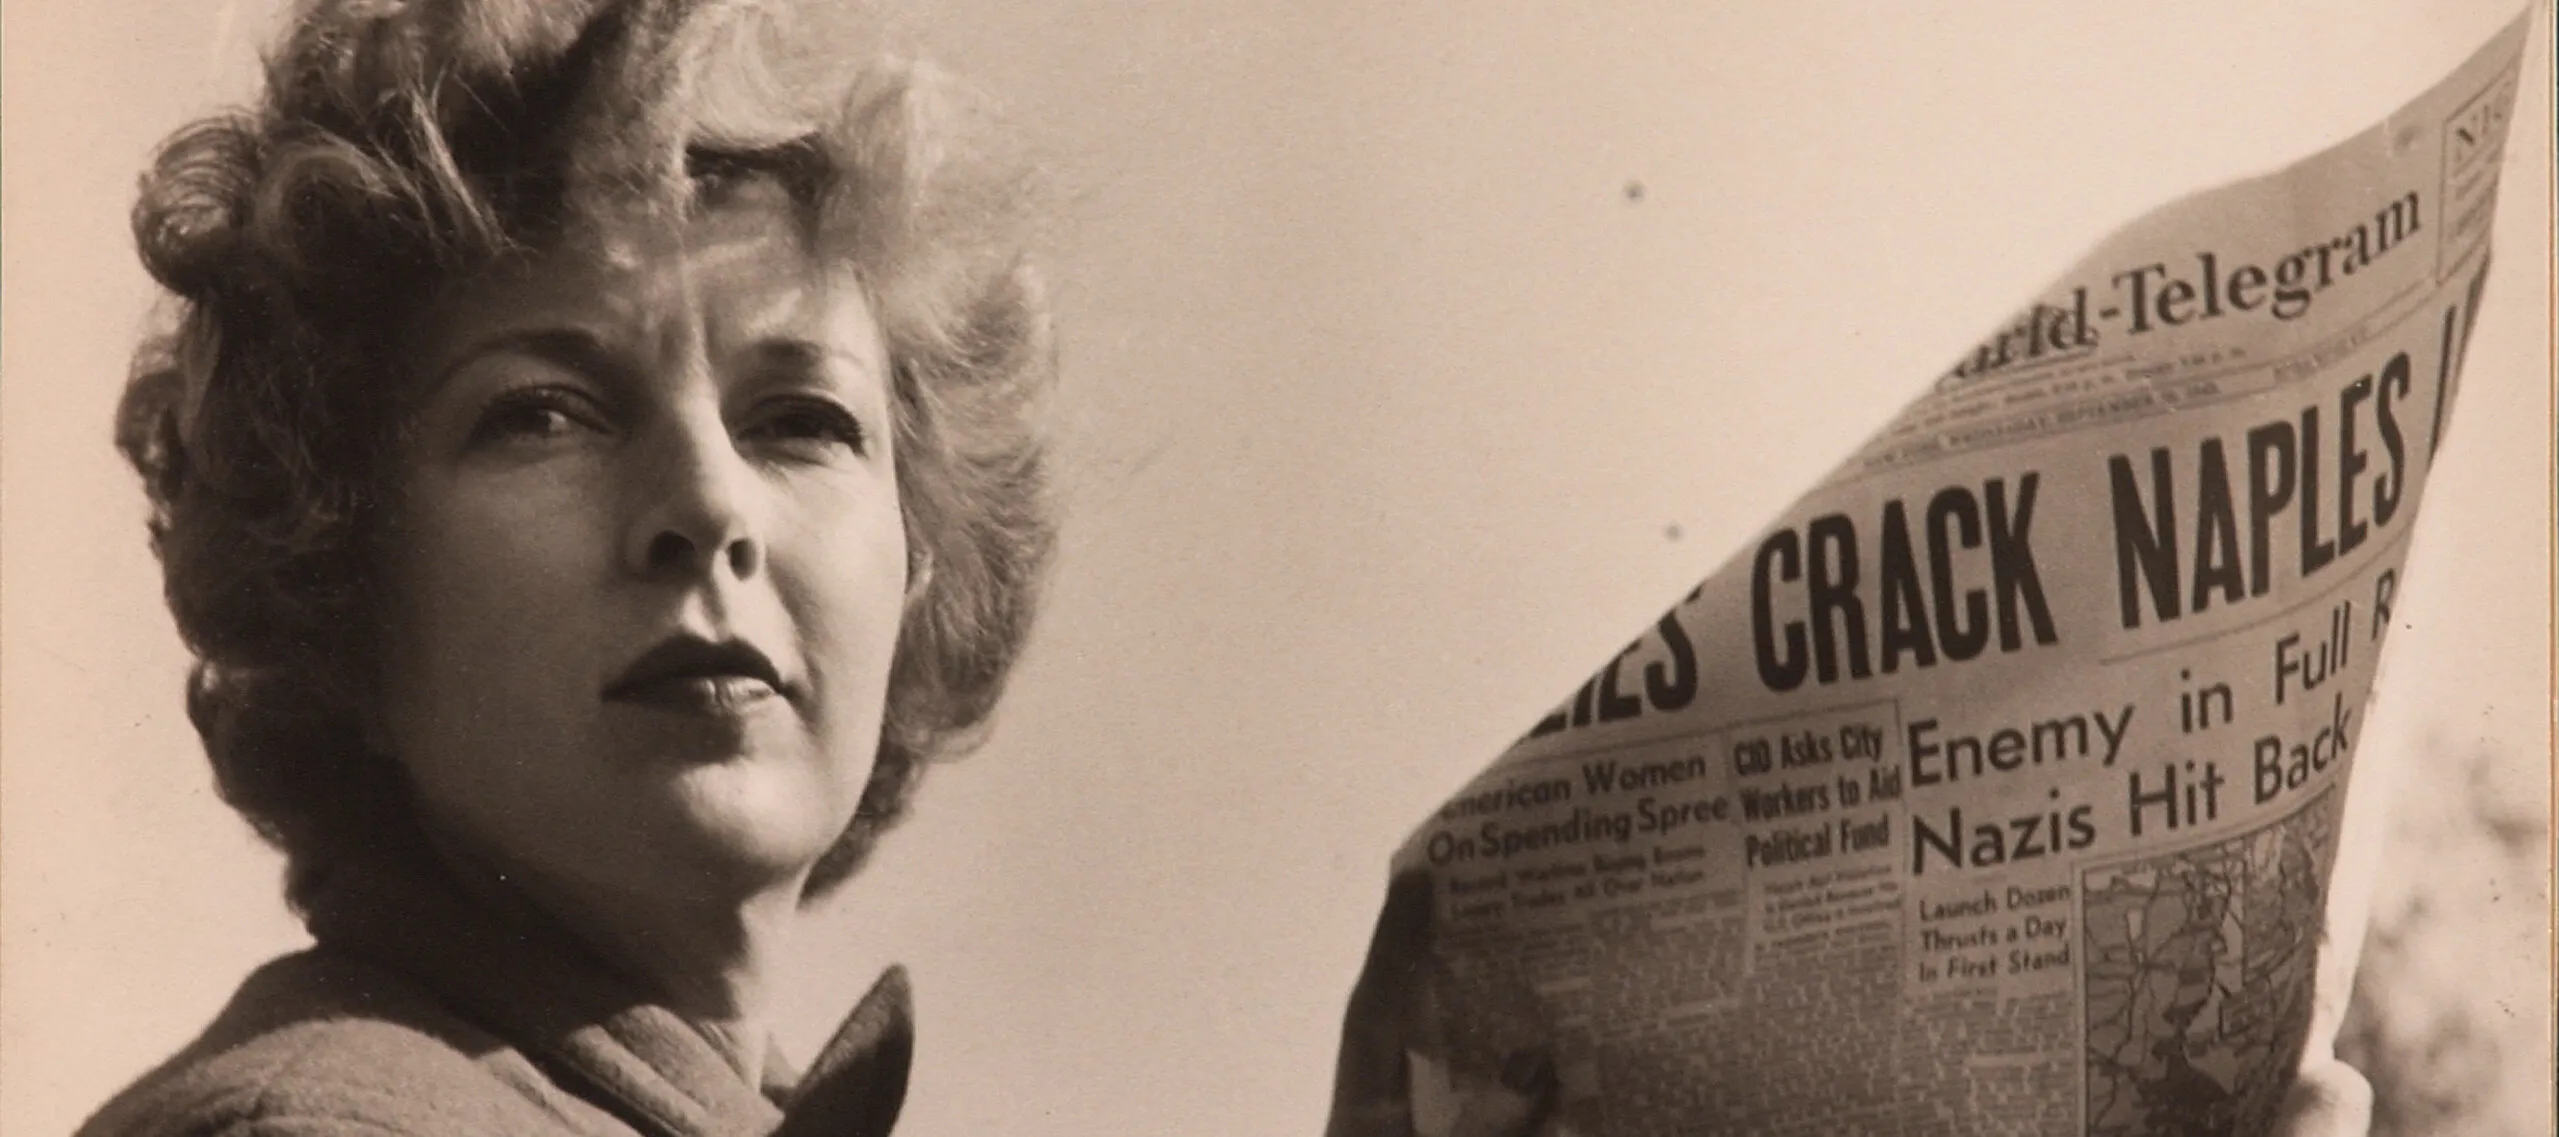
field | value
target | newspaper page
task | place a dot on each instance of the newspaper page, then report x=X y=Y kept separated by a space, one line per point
x=1995 y=788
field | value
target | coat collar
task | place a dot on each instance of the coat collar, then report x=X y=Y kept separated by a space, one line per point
x=594 y=1034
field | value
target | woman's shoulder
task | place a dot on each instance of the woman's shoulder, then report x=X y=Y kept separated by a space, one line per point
x=319 y=1044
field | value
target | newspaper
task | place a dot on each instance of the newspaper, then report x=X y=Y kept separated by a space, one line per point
x=1995 y=789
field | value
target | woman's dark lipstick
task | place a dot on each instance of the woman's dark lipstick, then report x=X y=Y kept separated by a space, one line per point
x=693 y=675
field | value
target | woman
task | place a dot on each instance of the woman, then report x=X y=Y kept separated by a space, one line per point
x=593 y=466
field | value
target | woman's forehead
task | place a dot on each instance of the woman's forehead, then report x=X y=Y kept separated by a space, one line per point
x=720 y=221
x=753 y=238
x=734 y=270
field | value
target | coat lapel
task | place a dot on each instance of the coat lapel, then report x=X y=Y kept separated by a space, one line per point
x=859 y=1080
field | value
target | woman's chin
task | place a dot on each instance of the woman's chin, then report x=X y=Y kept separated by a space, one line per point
x=757 y=820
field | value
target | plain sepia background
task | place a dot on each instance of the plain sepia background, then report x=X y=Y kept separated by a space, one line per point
x=1415 y=355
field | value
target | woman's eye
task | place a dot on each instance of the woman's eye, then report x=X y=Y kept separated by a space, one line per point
x=811 y=426
x=534 y=415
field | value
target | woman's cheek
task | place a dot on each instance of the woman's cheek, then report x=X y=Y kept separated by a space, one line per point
x=535 y=540
x=845 y=563
x=505 y=575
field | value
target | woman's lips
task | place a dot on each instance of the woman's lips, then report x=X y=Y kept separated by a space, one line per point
x=697 y=694
x=693 y=675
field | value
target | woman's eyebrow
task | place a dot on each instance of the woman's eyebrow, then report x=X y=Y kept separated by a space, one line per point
x=575 y=349
x=807 y=357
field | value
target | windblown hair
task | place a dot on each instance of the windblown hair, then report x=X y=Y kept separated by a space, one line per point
x=403 y=145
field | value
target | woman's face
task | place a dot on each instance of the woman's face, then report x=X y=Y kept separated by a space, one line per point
x=648 y=562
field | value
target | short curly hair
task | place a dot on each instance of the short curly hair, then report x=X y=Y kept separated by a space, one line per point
x=401 y=145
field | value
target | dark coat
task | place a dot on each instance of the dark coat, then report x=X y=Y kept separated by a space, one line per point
x=417 y=1014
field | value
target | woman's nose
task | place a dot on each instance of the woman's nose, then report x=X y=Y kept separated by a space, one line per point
x=695 y=514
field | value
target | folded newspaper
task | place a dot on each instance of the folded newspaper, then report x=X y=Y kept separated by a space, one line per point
x=1995 y=789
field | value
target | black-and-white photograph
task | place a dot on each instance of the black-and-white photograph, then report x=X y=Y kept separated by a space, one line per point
x=710 y=567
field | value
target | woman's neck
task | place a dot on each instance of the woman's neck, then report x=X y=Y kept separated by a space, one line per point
x=714 y=961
